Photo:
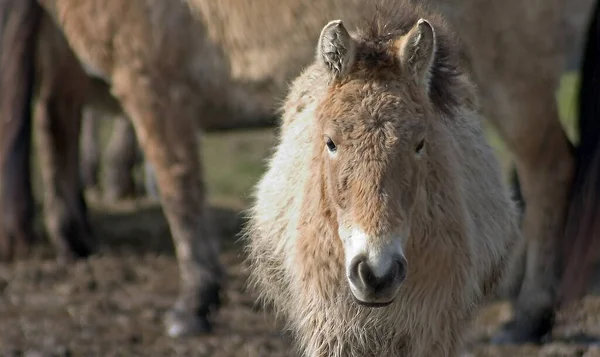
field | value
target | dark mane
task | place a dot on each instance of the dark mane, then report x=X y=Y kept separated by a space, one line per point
x=393 y=19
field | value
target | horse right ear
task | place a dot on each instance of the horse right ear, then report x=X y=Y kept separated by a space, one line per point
x=336 y=48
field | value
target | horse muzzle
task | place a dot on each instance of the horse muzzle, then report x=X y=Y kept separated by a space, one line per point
x=374 y=285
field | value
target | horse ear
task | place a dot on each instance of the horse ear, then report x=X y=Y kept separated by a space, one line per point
x=336 y=48
x=417 y=51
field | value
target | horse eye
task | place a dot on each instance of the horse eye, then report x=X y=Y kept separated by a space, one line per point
x=330 y=145
x=420 y=146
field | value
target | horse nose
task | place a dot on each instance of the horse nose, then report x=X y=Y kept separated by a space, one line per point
x=376 y=285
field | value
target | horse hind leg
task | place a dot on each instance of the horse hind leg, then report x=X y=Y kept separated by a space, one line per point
x=545 y=163
x=16 y=197
x=58 y=113
x=19 y=29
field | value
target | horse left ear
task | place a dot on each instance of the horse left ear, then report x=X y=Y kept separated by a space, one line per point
x=417 y=51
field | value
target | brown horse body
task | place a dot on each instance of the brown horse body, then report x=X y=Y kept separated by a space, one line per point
x=147 y=51
x=382 y=159
x=118 y=166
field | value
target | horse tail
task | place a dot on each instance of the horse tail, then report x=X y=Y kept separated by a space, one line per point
x=581 y=239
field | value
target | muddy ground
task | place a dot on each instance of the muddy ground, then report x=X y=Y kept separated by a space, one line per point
x=112 y=304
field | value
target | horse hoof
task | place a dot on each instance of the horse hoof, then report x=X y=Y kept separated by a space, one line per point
x=184 y=324
x=77 y=244
x=522 y=332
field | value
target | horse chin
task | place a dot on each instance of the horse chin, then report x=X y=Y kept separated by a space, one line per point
x=371 y=304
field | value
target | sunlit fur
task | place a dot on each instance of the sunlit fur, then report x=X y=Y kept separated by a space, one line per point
x=459 y=218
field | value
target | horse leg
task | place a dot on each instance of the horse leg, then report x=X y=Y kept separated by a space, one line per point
x=121 y=156
x=16 y=198
x=19 y=29
x=544 y=161
x=553 y=182
x=167 y=131
x=518 y=86
x=89 y=146
x=57 y=127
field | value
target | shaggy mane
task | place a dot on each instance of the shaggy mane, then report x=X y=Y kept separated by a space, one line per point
x=393 y=19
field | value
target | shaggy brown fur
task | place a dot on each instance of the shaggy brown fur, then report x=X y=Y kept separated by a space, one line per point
x=445 y=193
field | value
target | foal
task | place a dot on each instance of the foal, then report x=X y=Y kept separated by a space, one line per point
x=382 y=220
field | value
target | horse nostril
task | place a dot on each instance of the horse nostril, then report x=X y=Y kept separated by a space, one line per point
x=366 y=275
x=357 y=264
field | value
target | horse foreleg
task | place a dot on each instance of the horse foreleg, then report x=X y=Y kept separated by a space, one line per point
x=167 y=132
x=58 y=111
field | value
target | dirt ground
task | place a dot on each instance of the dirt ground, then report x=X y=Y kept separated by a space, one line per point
x=112 y=304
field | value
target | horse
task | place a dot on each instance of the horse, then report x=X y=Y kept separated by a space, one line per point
x=147 y=52
x=382 y=221
x=122 y=153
